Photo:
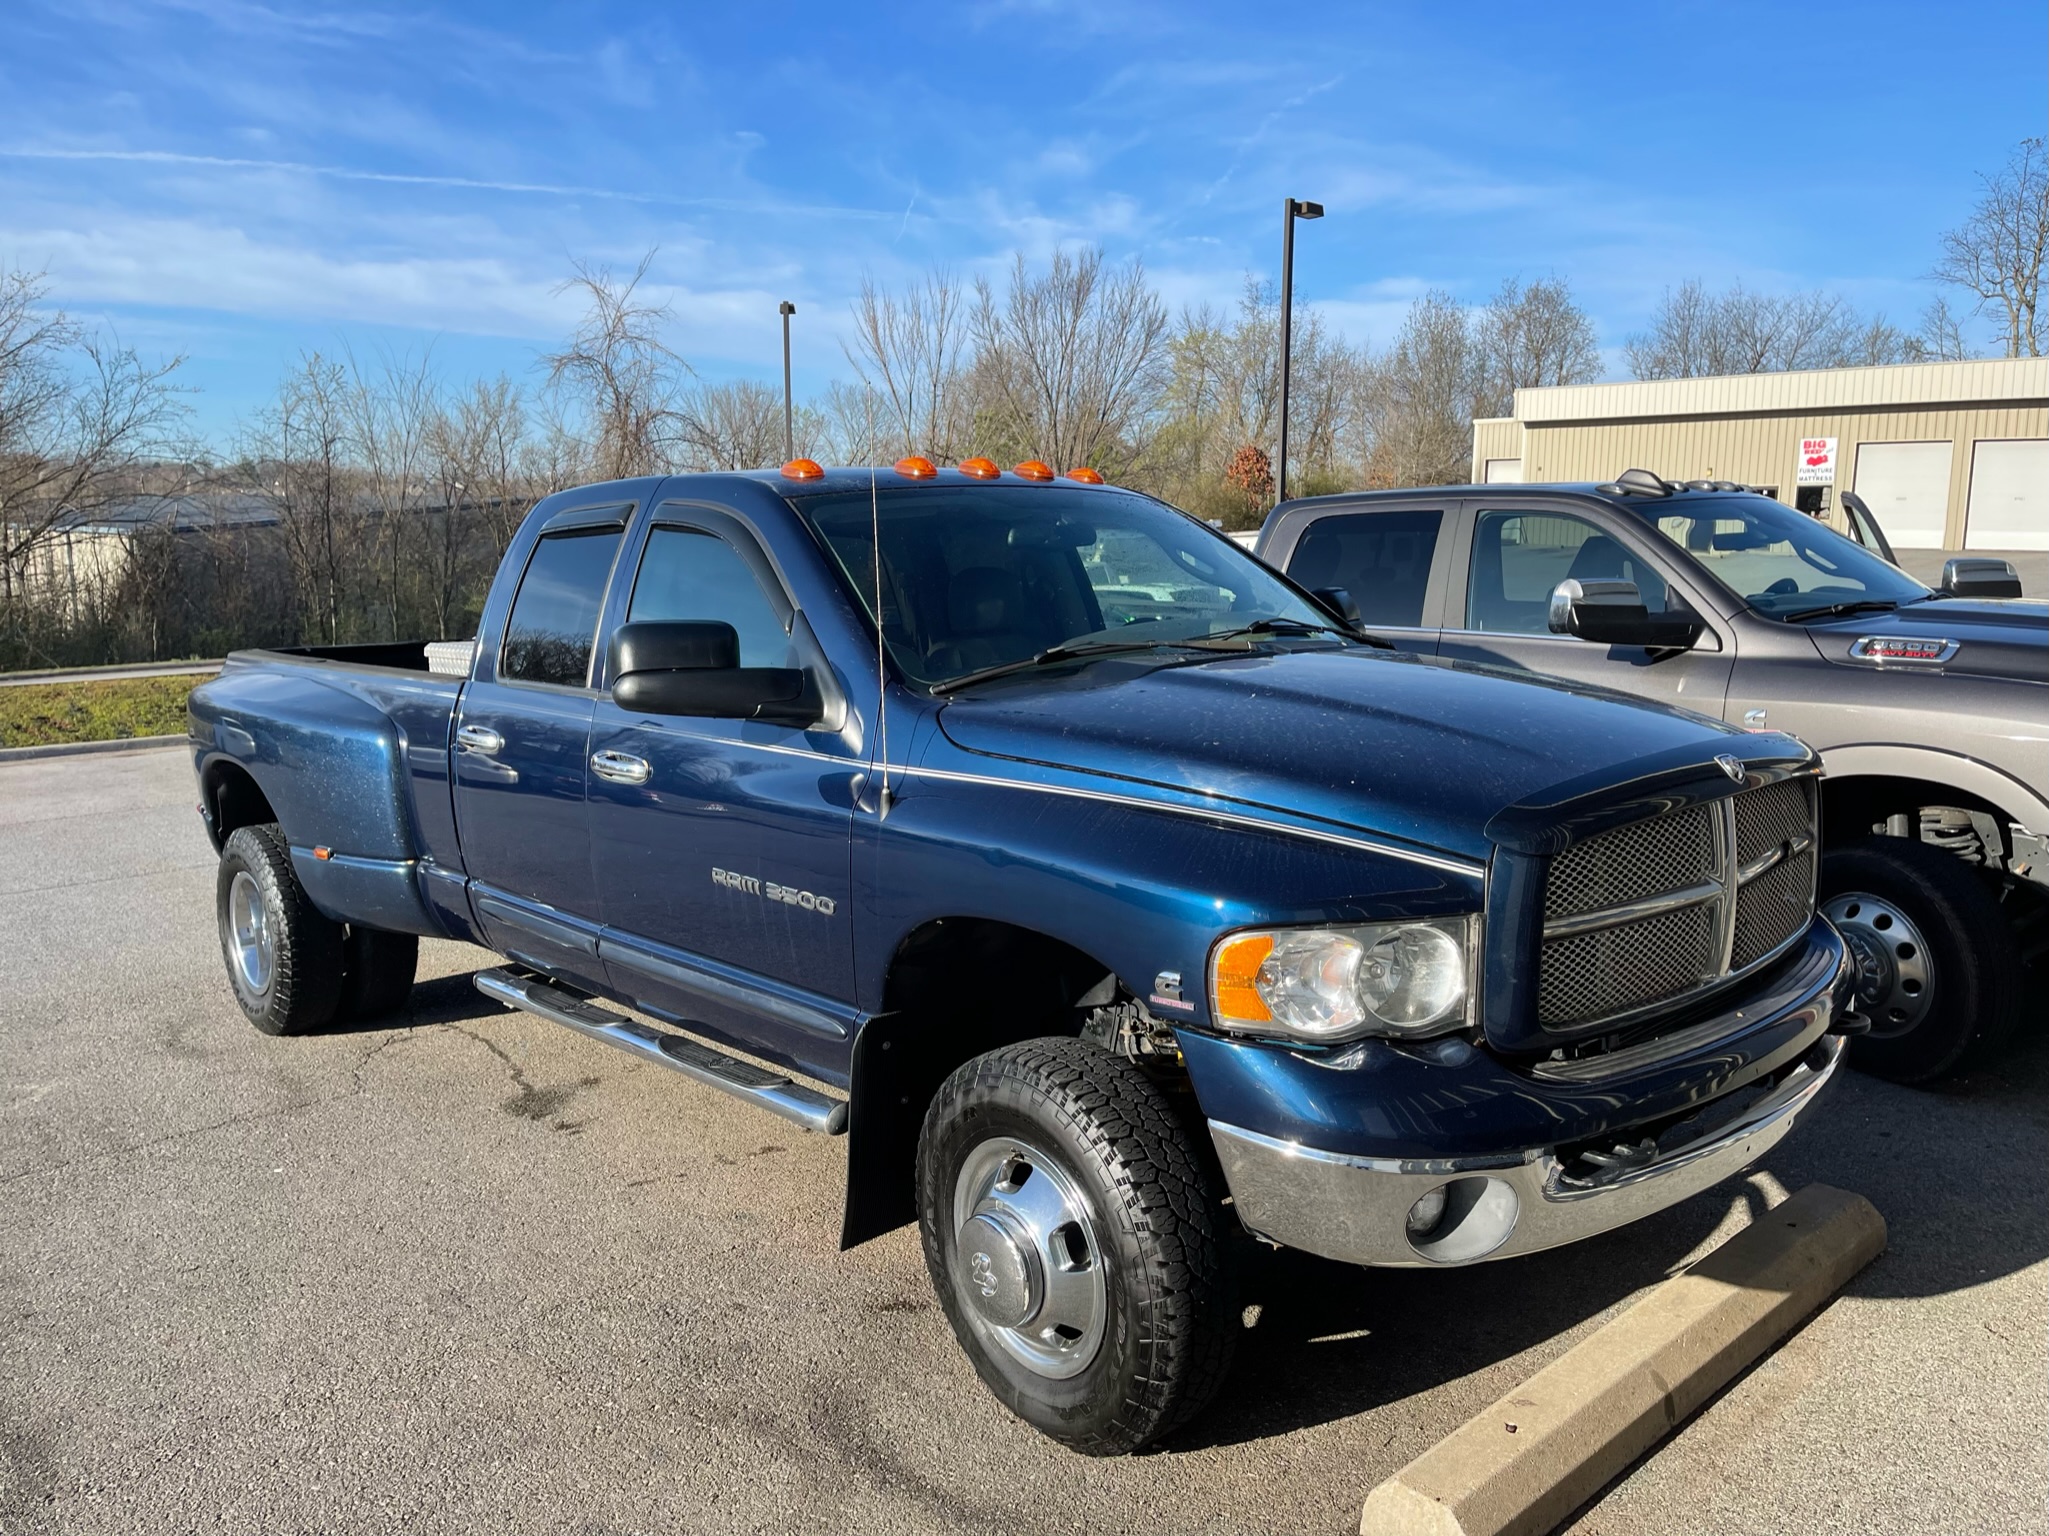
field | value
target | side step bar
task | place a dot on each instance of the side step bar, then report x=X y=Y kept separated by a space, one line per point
x=715 y=1069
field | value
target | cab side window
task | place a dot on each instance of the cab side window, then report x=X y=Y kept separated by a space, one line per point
x=554 y=618
x=1381 y=558
x=1518 y=557
x=689 y=574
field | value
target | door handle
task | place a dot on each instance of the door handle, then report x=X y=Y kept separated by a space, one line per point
x=621 y=768
x=478 y=738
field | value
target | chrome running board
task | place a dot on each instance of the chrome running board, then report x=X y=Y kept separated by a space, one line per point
x=715 y=1069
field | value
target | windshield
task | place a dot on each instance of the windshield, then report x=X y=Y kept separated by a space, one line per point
x=1777 y=560
x=980 y=577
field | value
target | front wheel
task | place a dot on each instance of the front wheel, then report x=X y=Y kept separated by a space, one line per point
x=1937 y=968
x=1072 y=1236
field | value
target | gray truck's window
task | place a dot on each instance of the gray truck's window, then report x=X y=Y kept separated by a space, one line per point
x=686 y=574
x=1381 y=558
x=554 y=618
x=1518 y=557
x=1777 y=560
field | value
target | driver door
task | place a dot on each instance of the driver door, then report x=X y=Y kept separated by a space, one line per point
x=1496 y=611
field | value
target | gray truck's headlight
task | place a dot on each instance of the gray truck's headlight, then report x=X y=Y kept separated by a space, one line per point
x=1403 y=980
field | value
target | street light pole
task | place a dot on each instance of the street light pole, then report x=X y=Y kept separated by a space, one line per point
x=1291 y=209
x=787 y=309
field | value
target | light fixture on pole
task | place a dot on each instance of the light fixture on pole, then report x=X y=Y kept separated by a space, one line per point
x=1292 y=208
x=787 y=309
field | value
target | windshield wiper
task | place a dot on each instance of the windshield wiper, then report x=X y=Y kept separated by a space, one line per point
x=1837 y=610
x=1295 y=627
x=1049 y=657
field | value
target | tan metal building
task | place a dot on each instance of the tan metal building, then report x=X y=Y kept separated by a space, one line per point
x=1948 y=455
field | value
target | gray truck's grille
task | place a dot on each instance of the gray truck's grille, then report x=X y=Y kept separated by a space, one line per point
x=1649 y=912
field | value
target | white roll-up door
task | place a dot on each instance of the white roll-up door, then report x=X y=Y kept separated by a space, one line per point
x=1504 y=471
x=2009 y=507
x=1906 y=485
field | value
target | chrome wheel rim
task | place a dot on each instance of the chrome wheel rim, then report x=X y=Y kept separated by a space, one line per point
x=1895 y=973
x=252 y=943
x=1028 y=1266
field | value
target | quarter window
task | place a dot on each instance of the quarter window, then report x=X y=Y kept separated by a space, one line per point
x=1381 y=558
x=1518 y=557
x=554 y=618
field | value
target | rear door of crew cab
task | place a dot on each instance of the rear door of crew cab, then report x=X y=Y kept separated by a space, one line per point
x=520 y=744
x=722 y=847
x=1391 y=559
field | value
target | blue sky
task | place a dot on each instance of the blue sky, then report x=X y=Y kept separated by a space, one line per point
x=238 y=180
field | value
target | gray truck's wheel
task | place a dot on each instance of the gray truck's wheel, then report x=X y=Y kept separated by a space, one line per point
x=284 y=958
x=1072 y=1236
x=377 y=972
x=1937 y=970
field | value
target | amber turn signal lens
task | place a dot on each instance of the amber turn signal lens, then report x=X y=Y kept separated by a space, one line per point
x=1032 y=469
x=912 y=467
x=1234 y=995
x=803 y=469
x=981 y=469
x=1085 y=475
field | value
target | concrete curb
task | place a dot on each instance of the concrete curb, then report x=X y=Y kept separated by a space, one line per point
x=1528 y=1462
x=119 y=672
x=81 y=748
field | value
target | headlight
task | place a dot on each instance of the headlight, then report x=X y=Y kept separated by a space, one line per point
x=1403 y=980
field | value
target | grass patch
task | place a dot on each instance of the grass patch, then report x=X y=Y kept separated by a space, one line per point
x=43 y=714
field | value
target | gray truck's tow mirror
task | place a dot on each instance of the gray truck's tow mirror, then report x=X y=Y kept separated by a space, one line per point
x=685 y=667
x=1976 y=576
x=1611 y=612
x=1339 y=604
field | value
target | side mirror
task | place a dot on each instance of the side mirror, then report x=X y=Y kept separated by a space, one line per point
x=1612 y=613
x=676 y=667
x=1976 y=576
x=1338 y=603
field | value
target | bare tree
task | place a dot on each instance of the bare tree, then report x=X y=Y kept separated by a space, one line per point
x=392 y=418
x=78 y=416
x=858 y=425
x=626 y=380
x=1423 y=394
x=1697 y=334
x=908 y=349
x=297 y=456
x=1996 y=254
x=1941 y=337
x=736 y=424
x=1070 y=361
x=1533 y=336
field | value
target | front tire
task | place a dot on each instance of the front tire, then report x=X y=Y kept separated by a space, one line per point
x=284 y=957
x=1937 y=968
x=1072 y=1235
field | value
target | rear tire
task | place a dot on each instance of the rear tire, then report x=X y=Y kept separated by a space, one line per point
x=1092 y=1291
x=377 y=972
x=284 y=957
x=1937 y=969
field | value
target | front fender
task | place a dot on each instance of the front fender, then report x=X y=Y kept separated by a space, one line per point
x=1932 y=765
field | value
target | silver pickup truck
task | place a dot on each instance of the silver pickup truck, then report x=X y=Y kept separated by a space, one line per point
x=1930 y=708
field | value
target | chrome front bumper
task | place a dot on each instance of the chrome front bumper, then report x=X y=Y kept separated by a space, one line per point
x=1356 y=1209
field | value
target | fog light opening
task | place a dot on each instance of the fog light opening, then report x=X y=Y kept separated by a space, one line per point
x=1464 y=1220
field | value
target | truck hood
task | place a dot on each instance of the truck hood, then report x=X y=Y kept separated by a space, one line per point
x=1410 y=747
x=1995 y=637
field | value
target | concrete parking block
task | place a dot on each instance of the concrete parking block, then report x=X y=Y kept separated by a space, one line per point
x=1522 y=1466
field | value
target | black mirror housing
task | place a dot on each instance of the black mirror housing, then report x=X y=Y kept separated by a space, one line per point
x=687 y=667
x=1976 y=576
x=1612 y=613
x=1338 y=602
x=669 y=645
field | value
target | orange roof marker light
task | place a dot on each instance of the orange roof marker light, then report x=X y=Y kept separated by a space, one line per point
x=981 y=469
x=803 y=469
x=913 y=467
x=1085 y=475
x=1032 y=469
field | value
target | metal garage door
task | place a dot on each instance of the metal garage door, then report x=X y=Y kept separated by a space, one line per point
x=1504 y=471
x=2009 y=495
x=1907 y=486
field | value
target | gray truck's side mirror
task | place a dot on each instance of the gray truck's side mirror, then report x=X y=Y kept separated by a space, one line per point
x=1612 y=613
x=1338 y=603
x=684 y=667
x=1976 y=576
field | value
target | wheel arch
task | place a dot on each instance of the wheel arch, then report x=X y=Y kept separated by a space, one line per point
x=1866 y=783
x=233 y=800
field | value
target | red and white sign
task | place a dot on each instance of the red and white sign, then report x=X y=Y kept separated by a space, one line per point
x=1817 y=462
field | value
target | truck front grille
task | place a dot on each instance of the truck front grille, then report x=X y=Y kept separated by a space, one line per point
x=1647 y=913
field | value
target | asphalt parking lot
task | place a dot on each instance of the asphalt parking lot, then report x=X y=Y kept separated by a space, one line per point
x=477 y=1274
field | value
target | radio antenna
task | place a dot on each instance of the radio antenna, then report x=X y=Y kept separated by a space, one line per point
x=881 y=664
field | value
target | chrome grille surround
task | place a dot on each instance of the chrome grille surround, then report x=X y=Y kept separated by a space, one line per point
x=1650 y=912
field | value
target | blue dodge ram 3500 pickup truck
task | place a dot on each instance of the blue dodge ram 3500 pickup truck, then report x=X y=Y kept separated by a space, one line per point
x=1116 y=876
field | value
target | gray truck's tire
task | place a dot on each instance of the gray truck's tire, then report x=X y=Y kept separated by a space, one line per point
x=1095 y=1215
x=377 y=972
x=284 y=958
x=1938 y=971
